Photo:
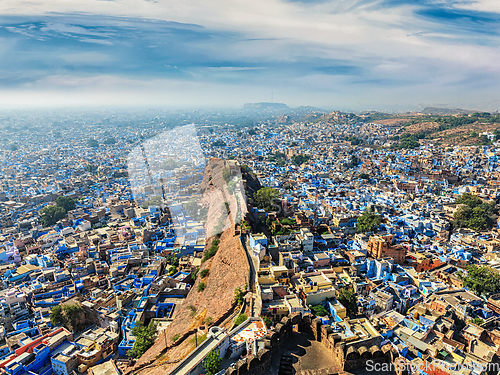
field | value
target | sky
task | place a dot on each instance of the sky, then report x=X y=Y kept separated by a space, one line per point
x=387 y=55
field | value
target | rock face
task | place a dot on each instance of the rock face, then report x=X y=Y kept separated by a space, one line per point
x=229 y=270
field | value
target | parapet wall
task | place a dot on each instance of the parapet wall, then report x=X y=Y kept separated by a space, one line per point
x=350 y=356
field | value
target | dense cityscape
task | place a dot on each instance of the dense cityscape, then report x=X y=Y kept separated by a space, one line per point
x=267 y=240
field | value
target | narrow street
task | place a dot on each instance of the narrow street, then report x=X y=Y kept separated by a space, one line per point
x=253 y=262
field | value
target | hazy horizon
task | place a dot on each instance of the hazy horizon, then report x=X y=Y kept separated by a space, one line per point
x=385 y=55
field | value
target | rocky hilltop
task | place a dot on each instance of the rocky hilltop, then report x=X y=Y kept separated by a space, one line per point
x=228 y=270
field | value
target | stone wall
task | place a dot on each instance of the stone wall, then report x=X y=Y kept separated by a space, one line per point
x=350 y=356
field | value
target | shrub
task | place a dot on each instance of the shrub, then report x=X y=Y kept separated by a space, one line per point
x=205 y=272
x=192 y=309
x=238 y=295
x=145 y=337
x=267 y=320
x=212 y=250
x=240 y=319
x=209 y=321
x=212 y=361
x=201 y=287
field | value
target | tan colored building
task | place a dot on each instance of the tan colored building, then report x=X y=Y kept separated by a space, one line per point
x=383 y=247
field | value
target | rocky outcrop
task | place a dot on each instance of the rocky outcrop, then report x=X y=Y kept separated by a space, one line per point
x=229 y=270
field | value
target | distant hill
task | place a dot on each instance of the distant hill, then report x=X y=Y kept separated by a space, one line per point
x=308 y=109
x=444 y=111
x=265 y=105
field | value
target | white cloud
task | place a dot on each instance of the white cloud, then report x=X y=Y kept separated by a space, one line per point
x=402 y=53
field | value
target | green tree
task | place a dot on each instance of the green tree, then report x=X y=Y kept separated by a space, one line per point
x=56 y=316
x=475 y=214
x=300 y=159
x=73 y=314
x=212 y=362
x=145 y=337
x=268 y=320
x=92 y=143
x=172 y=260
x=265 y=197
x=211 y=251
x=348 y=299
x=368 y=221
x=109 y=141
x=66 y=202
x=238 y=295
x=240 y=319
x=469 y=199
x=219 y=143
x=364 y=176
x=49 y=215
x=172 y=270
x=245 y=168
x=481 y=280
x=461 y=217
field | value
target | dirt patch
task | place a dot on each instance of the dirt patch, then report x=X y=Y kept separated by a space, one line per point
x=424 y=127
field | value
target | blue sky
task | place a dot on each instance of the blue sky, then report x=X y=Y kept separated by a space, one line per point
x=342 y=54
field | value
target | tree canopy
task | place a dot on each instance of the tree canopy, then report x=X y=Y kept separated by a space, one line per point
x=67 y=315
x=264 y=198
x=73 y=314
x=409 y=141
x=481 y=280
x=300 y=159
x=219 y=143
x=369 y=221
x=469 y=199
x=56 y=316
x=348 y=299
x=110 y=141
x=364 y=176
x=66 y=202
x=475 y=214
x=49 y=215
x=92 y=143
x=145 y=337
x=212 y=361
